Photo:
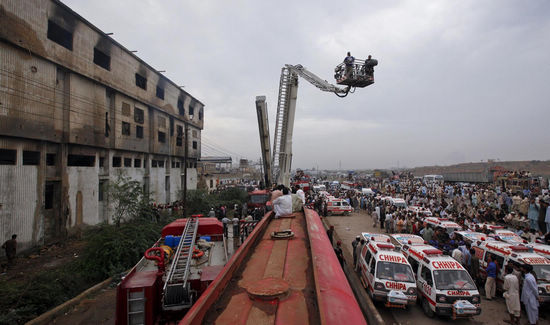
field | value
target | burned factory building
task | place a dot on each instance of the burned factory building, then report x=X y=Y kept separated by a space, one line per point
x=76 y=110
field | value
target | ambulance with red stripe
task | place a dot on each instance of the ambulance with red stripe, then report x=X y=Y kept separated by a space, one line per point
x=385 y=273
x=336 y=206
x=444 y=286
x=508 y=236
x=403 y=239
x=445 y=224
x=505 y=253
x=541 y=249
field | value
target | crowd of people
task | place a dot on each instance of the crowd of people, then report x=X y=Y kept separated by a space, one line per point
x=527 y=212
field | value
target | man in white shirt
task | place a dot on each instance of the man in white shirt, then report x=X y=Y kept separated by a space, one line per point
x=302 y=195
x=283 y=204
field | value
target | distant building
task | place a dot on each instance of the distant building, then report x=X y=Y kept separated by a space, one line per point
x=76 y=109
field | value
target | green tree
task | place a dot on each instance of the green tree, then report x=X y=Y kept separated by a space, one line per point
x=128 y=200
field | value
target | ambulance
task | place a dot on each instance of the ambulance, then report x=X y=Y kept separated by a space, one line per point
x=471 y=236
x=419 y=211
x=448 y=226
x=337 y=206
x=508 y=236
x=505 y=253
x=541 y=249
x=444 y=286
x=385 y=273
x=403 y=239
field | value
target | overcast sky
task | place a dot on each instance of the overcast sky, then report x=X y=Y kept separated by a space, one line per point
x=457 y=81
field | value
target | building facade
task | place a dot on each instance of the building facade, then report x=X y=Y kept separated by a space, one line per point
x=76 y=110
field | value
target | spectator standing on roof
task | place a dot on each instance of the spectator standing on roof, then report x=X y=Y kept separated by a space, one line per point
x=490 y=283
x=349 y=61
x=511 y=294
x=354 y=245
x=530 y=295
x=302 y=195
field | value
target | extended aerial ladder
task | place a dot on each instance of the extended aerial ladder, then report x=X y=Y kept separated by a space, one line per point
x=359 y=75
x=177 y=293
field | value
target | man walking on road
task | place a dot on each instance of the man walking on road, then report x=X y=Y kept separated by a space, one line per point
x=511 y=294
x=10 y=246
x=339 y=253
x=358 y=253
x=530 y=295
x=225 y=221
x=330 y=233
x=490 y=284
x=354 y=245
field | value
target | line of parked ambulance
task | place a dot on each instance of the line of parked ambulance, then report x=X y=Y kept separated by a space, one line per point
x=401 y=269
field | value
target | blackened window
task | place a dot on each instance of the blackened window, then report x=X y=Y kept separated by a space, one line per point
x=8 y=157
x=102 y=59
x=101 y=191
x=161 y=163
x=191 y=110
x=160 y=92
x=60 y=35
x=138 y=115
x=200 y=114
x=141 y=81
x=154 y=163
x=181 y=110
x=178 y=164
x=127 y=162
x=81 y=161
x=31 y=158
x=137 y=163
x=101 y=161
x=171 y=126
x=179 y=141
x=139 y=132
x=162 y=137
x=179 y=130
x=50 y=159
x=117 y=161
x=125 y=128
x=48 y=196
x=195 y=145
x=173 y=164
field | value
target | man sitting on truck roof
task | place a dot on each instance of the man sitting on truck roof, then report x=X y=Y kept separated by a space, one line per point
x=283 y=204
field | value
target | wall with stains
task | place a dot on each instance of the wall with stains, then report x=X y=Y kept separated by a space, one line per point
x=58 y=102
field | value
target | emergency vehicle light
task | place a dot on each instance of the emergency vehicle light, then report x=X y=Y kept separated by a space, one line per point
x=389 y=246
x=432 y=251
x=519 y=248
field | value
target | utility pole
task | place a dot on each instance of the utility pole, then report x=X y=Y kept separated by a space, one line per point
x=185 y=153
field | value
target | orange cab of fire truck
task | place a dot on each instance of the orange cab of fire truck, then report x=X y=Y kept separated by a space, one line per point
x=385 y=273
x=444 y=286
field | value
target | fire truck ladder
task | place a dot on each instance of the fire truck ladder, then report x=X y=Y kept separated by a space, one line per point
x=281 y=118
x=176 y=289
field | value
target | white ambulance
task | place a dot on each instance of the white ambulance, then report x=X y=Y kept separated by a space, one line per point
x=471 y=236
x=508 y=236
x=403 y=239
x=541 y=249
x=385 y=273
x=336 y=206
x=505 y=253
x=444 y=286
x=445 y=224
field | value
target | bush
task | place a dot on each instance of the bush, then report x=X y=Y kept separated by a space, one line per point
x=199 y=201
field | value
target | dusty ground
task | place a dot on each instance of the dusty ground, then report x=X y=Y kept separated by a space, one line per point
x=31 y=263
x=493 y=312
x=96 y=309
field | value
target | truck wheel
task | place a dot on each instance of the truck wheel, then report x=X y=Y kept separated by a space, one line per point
x=427 y=310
